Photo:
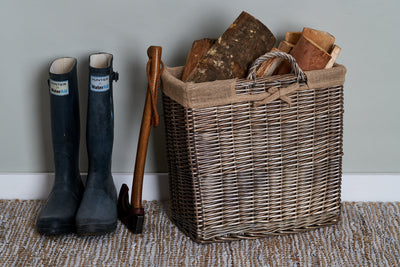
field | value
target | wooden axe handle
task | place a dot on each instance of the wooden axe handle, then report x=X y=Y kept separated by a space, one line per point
x=154 y=53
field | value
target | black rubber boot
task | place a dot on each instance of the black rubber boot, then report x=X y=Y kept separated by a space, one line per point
x=97 y=213
x=58 y=215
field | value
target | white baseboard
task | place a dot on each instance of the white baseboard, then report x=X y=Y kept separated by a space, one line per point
x=371 y=187
x=38 y=185
x=355 y=187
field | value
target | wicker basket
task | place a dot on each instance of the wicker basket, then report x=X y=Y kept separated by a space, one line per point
x=249 y=158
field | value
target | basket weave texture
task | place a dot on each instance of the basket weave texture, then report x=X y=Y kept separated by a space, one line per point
x=254 y=168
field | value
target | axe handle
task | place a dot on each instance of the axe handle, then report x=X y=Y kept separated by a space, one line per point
x=154 y=53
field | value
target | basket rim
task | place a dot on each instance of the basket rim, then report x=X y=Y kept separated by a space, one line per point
x=223 y=92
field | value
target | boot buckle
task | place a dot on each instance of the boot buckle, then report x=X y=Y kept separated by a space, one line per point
x=114 y=76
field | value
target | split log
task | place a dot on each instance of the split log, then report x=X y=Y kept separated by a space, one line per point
x=197 y=52
x=323 y=39
x=292 y=37
x=311 y=50
x=334 y=55
x=285 y=46
x=244 y=41
x=309 y=55
x=268 y=67
x=284 y=66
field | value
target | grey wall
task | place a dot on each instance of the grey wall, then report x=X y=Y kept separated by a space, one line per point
x=34 y=33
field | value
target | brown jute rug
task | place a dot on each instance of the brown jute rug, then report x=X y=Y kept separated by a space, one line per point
x=367 y=235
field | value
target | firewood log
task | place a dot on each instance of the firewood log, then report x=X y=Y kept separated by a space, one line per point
x=323 y=39
x=268 y=67
x=309 y=55
x=197 y=52
x=292 y=37
x=244 y=41
x=334 y=54
x=311 y=50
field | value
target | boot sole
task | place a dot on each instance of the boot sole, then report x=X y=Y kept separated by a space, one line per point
x=59 y=230
x=95 y=229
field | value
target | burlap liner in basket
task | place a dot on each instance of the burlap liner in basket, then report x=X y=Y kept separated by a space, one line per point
x=222 y=92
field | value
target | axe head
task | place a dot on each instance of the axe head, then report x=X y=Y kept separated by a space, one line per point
x=133 y=218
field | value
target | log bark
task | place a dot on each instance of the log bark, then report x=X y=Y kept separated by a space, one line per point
x=244 y=41
x=309 y=55
x=197 y=52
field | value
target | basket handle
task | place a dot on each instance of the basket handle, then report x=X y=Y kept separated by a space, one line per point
x=295 y=67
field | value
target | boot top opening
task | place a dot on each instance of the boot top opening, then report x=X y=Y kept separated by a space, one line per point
x=101 y=60
x=62 y=65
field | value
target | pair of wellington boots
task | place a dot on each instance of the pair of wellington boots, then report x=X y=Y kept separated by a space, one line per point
x=71 y=206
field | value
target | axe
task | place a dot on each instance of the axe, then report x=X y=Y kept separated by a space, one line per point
x=132 y=214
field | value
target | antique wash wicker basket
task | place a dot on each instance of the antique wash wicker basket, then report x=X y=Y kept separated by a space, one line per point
x=251 y=157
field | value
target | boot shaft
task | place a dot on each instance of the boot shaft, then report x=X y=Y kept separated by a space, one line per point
x=65 y=121
x=58 y=215
x=100 y=115
x=98 y=210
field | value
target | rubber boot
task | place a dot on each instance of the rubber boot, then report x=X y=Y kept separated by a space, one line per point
x=58 y=215
x=97 y=213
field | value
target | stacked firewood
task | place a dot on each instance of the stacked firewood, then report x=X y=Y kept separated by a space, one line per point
x=245 y=40
x=312 y=49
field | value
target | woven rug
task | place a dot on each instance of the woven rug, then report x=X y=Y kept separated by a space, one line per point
x=367 y=235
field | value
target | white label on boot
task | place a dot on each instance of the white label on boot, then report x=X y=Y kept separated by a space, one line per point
x=59 y=88
x=99 y=83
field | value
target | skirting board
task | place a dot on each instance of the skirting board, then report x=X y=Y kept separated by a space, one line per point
x=355 y=187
